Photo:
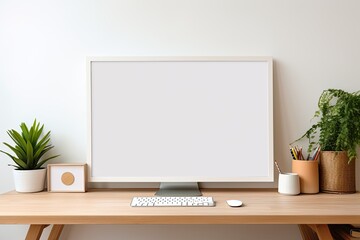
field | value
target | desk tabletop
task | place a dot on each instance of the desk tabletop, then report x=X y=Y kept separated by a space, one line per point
x=112 y=206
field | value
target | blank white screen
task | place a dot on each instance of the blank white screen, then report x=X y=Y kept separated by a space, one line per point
x=181 y=120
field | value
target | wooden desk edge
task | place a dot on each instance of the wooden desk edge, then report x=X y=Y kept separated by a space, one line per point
x=170 y=220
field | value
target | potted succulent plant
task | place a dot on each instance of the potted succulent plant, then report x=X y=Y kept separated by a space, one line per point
x=337 y=132
x=28 y=157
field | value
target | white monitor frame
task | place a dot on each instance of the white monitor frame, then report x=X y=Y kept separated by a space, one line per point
x=266 y=175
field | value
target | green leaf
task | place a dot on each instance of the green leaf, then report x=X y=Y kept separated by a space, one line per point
x=32 y=133
x=44 y=139
x=30 y=155
x=23 y=153
x=46 y=149
x=19 y=153
x=42 y=145
x=25 y=131
x=37 y=134
x=11 y=156
x=18 y=139
x=19 y=162
x=44 y=161
x=40 y=151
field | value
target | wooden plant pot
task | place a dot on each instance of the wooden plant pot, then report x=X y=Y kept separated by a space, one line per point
x=336 y=174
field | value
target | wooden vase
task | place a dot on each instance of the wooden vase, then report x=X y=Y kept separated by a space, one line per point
x=336 y=174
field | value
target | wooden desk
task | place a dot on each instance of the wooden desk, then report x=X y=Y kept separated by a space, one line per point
x=261 y=206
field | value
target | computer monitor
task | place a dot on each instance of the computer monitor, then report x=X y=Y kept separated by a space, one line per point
x=180 y=119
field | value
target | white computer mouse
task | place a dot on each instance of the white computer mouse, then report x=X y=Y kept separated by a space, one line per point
x=234 y=203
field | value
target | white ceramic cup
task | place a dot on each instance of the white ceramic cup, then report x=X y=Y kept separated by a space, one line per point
x=289 y=184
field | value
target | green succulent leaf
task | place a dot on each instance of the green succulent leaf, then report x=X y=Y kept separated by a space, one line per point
x=25 y=131
x=29 y=148
x=38 y=133
x=42 y=150
x=44 y=161
x=46 y=149
x=20 y=163
x=45 y=139
x=18 y=139
x=30 y=154
x=18 y=151
x=11 y=156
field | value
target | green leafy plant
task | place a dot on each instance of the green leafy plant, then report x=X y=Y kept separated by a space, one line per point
x=338 y=125
x=29 y=147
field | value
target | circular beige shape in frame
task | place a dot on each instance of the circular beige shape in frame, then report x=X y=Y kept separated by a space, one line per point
x=67 y=178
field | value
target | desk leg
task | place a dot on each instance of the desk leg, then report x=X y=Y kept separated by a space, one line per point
x=307 y=233
x=35 y=231
x=315 y=232
x=56 y=232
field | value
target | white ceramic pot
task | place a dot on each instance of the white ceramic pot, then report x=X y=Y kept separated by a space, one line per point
x=289 y=184
x=29 y=180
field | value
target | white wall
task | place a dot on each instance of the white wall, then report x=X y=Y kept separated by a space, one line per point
x=43 y=45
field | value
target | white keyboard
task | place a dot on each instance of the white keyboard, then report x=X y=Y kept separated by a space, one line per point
x=172 y=202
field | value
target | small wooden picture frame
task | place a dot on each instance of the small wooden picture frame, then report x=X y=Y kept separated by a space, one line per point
x=66 y=177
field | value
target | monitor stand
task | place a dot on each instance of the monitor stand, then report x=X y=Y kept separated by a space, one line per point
x=179 y=189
